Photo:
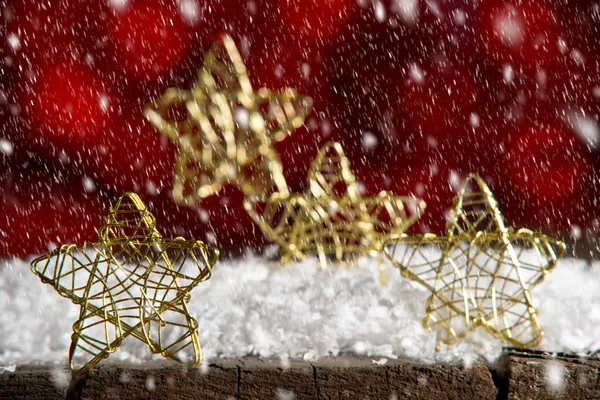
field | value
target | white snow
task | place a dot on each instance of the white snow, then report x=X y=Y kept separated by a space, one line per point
x=60 y=378
x=104 y=102
x=555 y=376
x=541 y=77
x=118 y=5
x=369 y=141
x=416 y=73
x=460 y=17
x=14 y=42
x=407 y=10
x=252 y=8
x=6 y=147
x=585 y=126
x=254 y=307
x=190 y=11
x=204 y=216
x=455 y=180
x=474 y=120
x=576 y=232
x=242 y=116
x=8 y=368
x=435 y=9
x=578 y=56
x=150 y=383
x=152 y=187
x=380 y=361
x=282 y=394
x=305 y=70
x=562 y=46
x=509 y=26
x=508 y=73
x=279 y=71
x=88 y=184
x=380 y=13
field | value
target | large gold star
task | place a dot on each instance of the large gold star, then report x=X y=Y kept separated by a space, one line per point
x=225 y=130
x=333 y=220
x=132 y=282
x=481 y=272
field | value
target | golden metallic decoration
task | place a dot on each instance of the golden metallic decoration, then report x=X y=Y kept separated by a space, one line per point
x=132 y=282
x=481 y=272
x=225 y=130
x=333 y=220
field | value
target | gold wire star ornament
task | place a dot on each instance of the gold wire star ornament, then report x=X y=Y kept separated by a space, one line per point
x=333 y=220
x=481 y=272
x=132 y=282
x=225 y=129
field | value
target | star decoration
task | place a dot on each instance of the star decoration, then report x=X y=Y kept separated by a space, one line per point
x=481 y=272
x=132 y=282
x=225 y=130
x=333 y=220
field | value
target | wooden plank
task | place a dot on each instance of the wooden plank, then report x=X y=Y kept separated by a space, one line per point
x=341 y=377
x=153 y=380
x=542 y=375
x=275 y=378
x=409 y=379
x=163 y=380
x=521 y=375
x=359 y=377
x=46 y=382
x=349 y=377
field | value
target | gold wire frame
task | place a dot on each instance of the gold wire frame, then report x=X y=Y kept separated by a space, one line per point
x=332 y=220
x=225 y=130
x=481 y=272
x=132 y=282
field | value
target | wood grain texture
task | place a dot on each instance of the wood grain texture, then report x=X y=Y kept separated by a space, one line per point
x=519 y=375
x=539 y=375
x=273 y=378
x=441 y=381
x=349 y=377
x=344 y=377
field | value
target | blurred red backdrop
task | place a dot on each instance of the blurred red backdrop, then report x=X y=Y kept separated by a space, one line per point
x=419 y=93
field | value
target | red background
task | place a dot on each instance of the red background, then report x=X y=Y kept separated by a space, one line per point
x=499 y=88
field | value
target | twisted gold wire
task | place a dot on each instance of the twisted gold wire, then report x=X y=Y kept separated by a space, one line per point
x=227 y=132
x=132 y=282
x=481 y=272
x=333 y=221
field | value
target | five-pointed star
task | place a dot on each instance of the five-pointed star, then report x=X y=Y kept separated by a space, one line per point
x=333 y=220
x=132 y=282
x=481 y=272
x=225 y=130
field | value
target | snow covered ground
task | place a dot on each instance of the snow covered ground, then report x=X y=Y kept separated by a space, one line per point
x=254 y=307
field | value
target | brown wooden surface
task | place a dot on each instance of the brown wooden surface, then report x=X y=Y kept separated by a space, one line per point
x=518 y=375
x=539 y=375
x=345 y=377
x=441 y=381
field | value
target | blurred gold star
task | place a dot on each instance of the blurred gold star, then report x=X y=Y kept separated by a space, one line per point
x=132 y=282
x=333 y=220
x=225 y=130
x=481 y=272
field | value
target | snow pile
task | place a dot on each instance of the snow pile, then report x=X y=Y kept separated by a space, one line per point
x=254 y=307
